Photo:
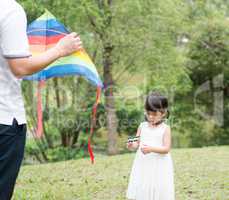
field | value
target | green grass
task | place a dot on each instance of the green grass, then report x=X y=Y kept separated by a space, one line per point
x=200 y=174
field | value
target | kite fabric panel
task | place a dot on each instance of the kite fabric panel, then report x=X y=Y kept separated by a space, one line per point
x=43 y=34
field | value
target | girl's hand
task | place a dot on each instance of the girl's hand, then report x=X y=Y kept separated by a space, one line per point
x=129 y=145
x=132 y=145
x=146 y=149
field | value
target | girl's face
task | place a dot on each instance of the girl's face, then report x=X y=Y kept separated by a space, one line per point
x=154 y=117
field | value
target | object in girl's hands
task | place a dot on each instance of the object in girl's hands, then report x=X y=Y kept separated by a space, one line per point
x=133 y=139
x=132 y=143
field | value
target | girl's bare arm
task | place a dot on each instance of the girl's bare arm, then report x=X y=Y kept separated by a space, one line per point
x=166 y=144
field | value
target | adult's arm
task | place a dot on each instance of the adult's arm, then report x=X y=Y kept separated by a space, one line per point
x=29 y=65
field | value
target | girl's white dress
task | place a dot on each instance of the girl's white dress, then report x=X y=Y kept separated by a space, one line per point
x=151 y=177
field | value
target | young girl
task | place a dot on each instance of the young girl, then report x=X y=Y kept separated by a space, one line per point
x=152 y=172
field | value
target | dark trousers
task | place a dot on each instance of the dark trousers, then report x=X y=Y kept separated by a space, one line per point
x=12 y=144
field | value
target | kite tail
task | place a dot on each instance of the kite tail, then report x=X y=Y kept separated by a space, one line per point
x=93 y=123
x=39 y=131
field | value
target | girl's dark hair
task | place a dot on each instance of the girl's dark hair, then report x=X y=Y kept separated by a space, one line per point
x=156 y=102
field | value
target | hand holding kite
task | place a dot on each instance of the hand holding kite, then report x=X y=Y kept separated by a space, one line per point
x=68 y=45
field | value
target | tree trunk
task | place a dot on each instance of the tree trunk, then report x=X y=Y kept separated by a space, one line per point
x=101 y=32
x=58 y=102
x=110 y=102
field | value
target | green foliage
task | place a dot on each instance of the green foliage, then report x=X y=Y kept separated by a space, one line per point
x=147 y=52
x=129 y=120
x=32 y=152
x=208 y=58
x=65 y=153
x=209 y=51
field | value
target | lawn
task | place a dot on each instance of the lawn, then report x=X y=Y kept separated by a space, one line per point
x=200 y=174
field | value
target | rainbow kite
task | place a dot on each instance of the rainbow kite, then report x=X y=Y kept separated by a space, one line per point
x=43 y=34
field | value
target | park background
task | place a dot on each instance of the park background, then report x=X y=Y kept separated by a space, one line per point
x=179 y=48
